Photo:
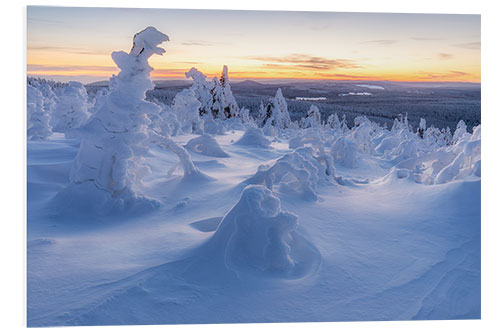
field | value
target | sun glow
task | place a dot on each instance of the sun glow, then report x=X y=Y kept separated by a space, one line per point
x=77 y=43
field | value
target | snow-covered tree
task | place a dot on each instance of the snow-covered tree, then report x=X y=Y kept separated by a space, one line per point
x=118 y=135
x=49 y=97
x=313 y=118
x=38 y=118
x=275 y=114
x=460 y=132
x=71 y=108
x=215 y=96
x=229 y=105
x=421 y=128
x=187 y=111
x=201 y=89
x=98 y=100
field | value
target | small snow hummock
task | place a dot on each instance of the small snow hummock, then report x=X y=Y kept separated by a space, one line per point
x=206 y=145
x=296 y=173
x=253 y=136
x=256 y=237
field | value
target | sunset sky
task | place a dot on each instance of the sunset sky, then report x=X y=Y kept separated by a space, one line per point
x=66 y=43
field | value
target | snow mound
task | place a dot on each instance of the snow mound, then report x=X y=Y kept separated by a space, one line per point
x=257 y=237
x=297 y=173
x=206 y=145
x=253 y=137
x=345 y=152
x=446 y=164
x=310 y=136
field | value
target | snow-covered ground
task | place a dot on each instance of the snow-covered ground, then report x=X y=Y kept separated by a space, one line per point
x=389 y=249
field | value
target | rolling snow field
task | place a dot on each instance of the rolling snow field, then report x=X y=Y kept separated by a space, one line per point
x=387 y=249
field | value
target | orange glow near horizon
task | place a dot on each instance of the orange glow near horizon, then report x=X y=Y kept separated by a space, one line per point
x=76 y=44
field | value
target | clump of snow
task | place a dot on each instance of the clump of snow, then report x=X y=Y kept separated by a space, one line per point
x=310 y=136
x=206 y=145
x=297 y=173
x=257 y=237
x=38 y=118
x=345 y=152
x=71 y=109
x=468 y=157
x=445 y=163
x=253 y=136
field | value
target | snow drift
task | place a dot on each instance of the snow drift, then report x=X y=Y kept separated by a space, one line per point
x=297 y=173
x=206 y=145
x=258 y=239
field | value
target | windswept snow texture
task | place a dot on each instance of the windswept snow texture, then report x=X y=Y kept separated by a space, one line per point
x=292 y=247
x=194 y=212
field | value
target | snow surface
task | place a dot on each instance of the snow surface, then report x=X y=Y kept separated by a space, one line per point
x=390 y=249
x=196 y=213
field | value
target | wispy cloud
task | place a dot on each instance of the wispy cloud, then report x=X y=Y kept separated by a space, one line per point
x=39 y=20
x=424 y=38
x=74 y=50
x=445 y=56
x=383 y=42
x=345 y=76
x=202 y=43
x=447 y=75
x=294 y=61
x=172 y=71
x=470 y=46
x=69 y=68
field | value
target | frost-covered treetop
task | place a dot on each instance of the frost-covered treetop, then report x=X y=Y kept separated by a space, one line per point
x=146 y=42
x=134 y=65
